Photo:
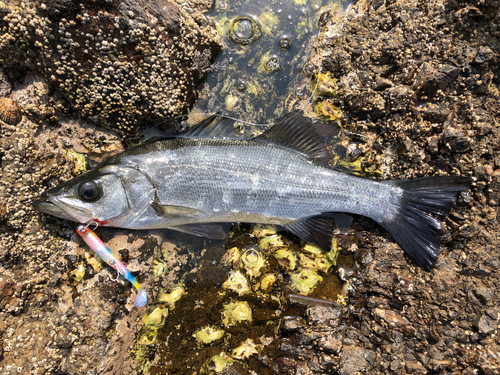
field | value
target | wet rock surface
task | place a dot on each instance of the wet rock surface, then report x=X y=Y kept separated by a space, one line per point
x=418 y=86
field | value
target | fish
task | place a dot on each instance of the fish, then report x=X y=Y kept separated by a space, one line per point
x=104 y=252
x=210 y=174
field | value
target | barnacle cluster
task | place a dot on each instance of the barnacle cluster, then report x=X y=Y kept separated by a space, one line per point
x=115 y=68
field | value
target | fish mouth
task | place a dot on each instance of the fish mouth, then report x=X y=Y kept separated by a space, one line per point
x=50 y=205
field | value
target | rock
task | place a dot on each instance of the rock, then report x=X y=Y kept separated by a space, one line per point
x=493 y=313
x=432 y=144
x=331 y=343
x=400 y=97
x=382 y=83
x=323 y=315
x=390 y=317
x=286 y=365
x=486 y=325
x=339 y=63
x=353 y=360
x=484 y=55
x=414 y=367
x=377 y=4
x=292 y=323
x=436 y=114
x=429 y=80
x=115 y=64
x=290 y=348
x=64 y=339
x=5 y=87
x=367 y=104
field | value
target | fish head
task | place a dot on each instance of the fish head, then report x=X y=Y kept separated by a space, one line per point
x=109 y=196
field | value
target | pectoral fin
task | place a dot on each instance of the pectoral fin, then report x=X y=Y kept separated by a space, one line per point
x=212 y=231
x=174 y=212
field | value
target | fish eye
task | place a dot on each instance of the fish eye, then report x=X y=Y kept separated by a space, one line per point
x=89 y=191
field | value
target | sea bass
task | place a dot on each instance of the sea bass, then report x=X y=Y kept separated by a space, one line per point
x=191 y=182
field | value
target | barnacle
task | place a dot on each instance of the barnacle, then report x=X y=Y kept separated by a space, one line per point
x=326 y=85
x=252 y=261
x=245 y=350
x=231 y=258
x=327 y=111
x=287 y=258
x=156 y=318
x=237 y=282
x=216 y=364
x=148 y=336
x=79 y=160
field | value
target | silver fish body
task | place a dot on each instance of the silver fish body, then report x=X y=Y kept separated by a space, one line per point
x=189 y=183
x=212 y=181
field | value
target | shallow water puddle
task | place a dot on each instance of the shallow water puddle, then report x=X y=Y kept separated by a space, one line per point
x=263 y=70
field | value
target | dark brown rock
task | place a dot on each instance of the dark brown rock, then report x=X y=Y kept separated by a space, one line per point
x=109 y=77
x=339 y=63
x=485 y=54
x=382 y=83
x=400 y=97
x=368 y=104
x=436 y=114
x=414 y=367
x=429 y=80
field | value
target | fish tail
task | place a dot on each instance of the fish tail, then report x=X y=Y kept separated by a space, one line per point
x=413 y=226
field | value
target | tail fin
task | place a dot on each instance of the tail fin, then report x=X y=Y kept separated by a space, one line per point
x=414 y=229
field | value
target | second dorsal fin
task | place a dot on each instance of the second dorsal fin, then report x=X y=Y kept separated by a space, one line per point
x=295 y=132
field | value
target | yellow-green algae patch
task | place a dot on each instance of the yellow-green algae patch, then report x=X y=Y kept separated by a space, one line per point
x=171 y=298
x=156 y=318
x=305 y=281
x=236 y=312
x=78 y=273
x=206 y=335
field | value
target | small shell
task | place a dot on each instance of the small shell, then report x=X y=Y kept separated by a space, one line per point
x=10 y=112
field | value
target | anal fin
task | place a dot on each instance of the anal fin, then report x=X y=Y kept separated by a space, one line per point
x=317 y=230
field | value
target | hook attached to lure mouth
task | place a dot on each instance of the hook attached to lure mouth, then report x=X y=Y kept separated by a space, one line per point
x=106 y=255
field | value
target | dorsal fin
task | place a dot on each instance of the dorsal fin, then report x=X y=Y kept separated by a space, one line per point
x=295 y=132
x=216 y=126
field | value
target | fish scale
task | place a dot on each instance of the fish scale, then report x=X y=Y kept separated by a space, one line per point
x=283 y=193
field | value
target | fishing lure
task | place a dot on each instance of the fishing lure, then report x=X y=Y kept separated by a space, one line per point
x=106 y=255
